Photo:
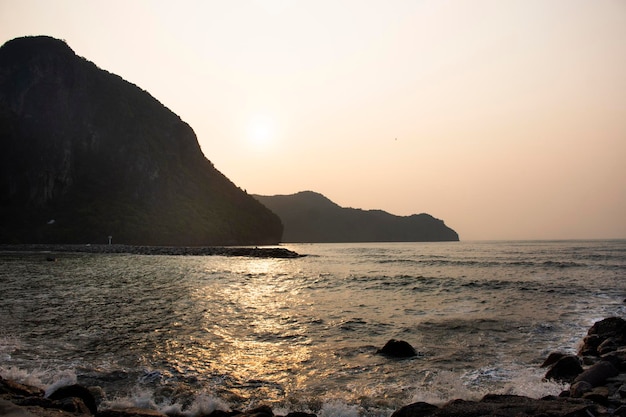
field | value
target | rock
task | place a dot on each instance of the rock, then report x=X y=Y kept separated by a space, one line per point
x=617 y=358
x=609 y=333
x=565 y=369
x=590 y=345
x=552 y=359
x=608 y=345
x=419 y=409
x=620 y=411
x=398 y=349
x=502 y=405
x=578 y=389
x=261 y=411
x=598 y=373
x=76 y=391
x=222 y=413
x=599 y=395
x=8 y=409
x=8 y=386
x=609 y=327
x=131 y=412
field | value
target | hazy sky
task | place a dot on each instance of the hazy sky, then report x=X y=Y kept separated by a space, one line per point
x=504 y=118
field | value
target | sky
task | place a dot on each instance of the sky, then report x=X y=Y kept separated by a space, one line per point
x=506 y=119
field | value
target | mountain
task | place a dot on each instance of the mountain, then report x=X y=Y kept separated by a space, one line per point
x=85 y=155
x=310 y=217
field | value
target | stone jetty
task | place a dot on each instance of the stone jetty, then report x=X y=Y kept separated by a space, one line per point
x=247 y=251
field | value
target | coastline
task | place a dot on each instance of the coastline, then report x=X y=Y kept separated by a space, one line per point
x=246 y=251
x=596 y=376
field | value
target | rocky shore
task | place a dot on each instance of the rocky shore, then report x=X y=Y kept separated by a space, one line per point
x=596 y=378
x=254 y=252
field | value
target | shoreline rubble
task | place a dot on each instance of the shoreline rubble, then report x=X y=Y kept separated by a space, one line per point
x=597 y=389
x=244 y=251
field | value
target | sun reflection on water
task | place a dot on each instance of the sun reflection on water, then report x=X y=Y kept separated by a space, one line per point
x=249 y=333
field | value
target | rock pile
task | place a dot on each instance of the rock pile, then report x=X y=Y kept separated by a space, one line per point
x=597 y=378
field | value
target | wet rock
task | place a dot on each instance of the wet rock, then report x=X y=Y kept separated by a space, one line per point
x=621 y=391
x=552 y=359
x=10 y=387
x=8 y=409
x=597 y=374
x=261 y=411
x=599 y=395
x=73 y=405
x=75 y=391
x=398 y=349
x=578 y=389
x=565 y=369
x=502 y=405
x=131 y=412
x=609 y=327
x=610 y=331
x=419 y=409
x=222 y=413
x=590 y=345
x=620 y=411
x=616 y=359
x=608 y=345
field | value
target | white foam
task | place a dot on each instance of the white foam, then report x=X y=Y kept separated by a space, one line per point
x=440 y=387
x=205 y=404
x=60 y=380
x=530 y=383
x=338 y=408
x=46 y=379
x=141 y=398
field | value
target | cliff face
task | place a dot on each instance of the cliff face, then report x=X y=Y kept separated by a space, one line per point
x=86 y=155
x=311 y=217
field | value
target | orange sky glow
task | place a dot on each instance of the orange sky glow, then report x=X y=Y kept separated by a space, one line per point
x=506 y=119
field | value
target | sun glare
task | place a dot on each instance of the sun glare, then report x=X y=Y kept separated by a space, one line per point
x=260 y=132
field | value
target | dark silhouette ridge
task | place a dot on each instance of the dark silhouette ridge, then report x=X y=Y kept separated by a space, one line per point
x=87 y=155
x=310 y=217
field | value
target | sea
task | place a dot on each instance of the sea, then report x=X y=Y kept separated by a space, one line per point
x=192 y=334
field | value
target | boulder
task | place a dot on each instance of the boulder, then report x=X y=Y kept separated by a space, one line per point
x=590 y=345
x=398 y=349
x=617 y=358
x=552 y=359
x=578 y=389
x=419 y=409
x=609 y=327
x=609 y=345
x=75 y=391
x=261 y=411
x=565 y=369
x=598 y=373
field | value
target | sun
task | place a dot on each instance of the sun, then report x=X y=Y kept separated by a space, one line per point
x=261 y=132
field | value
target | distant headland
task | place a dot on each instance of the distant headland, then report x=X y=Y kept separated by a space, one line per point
x=310 y=217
